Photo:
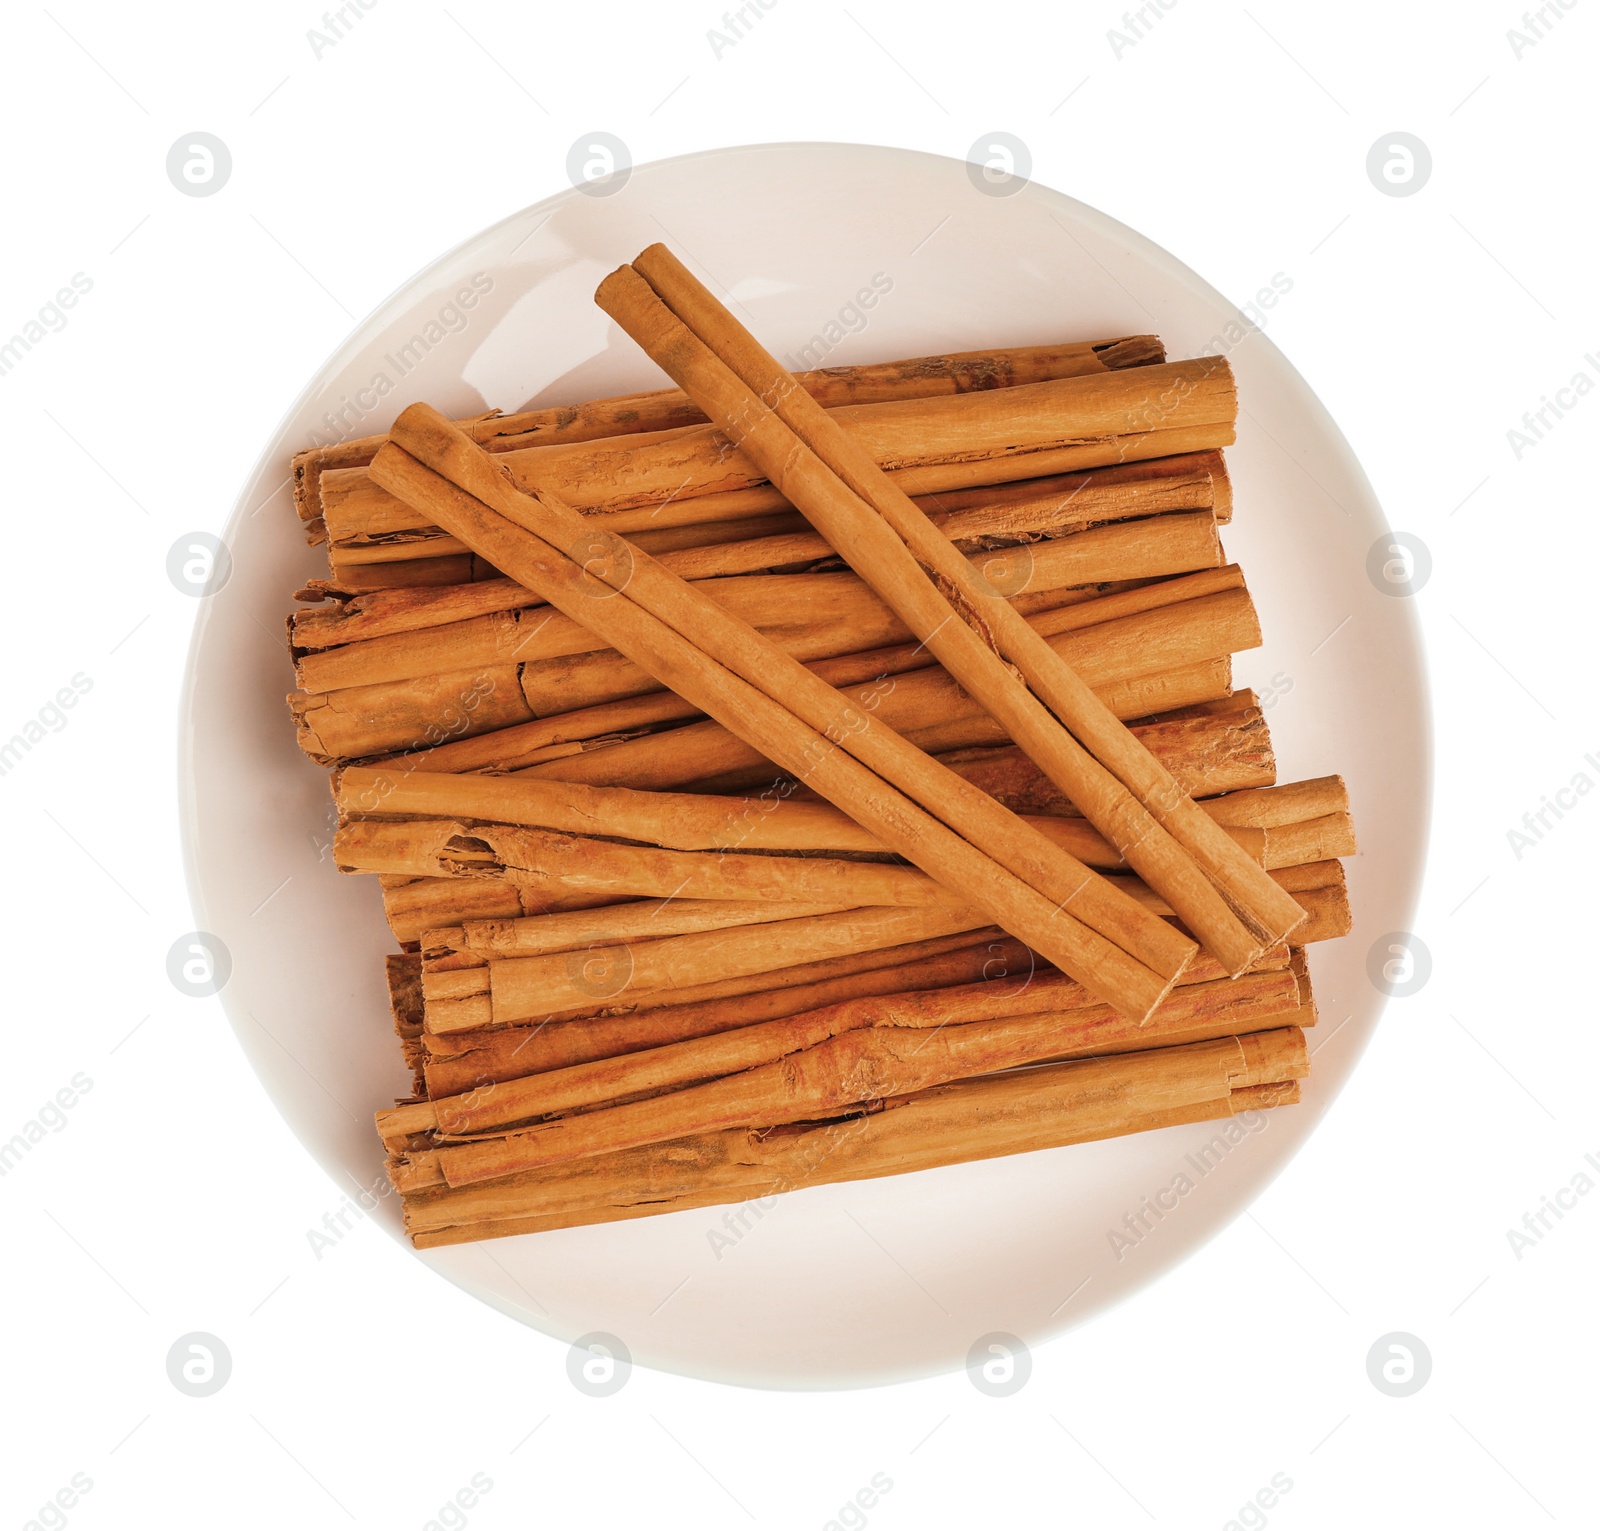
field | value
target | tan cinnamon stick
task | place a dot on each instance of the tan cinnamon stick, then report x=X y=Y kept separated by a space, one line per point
x=747 y=1166
x=1206 y=752
x=841 y=605
x=702 y=822
x=507 y=991
x=678 y=476
x=989 y=488
x=414 y=905
x=1220 y=894
x=464 y=1060
x=1219 y=751
x=526 y=988
x=666 y=408
x=1070 y=1025
x=481 y=938
x=1127 y=1083
x=1171 y=626
x=645 y=919
x=1018 y=507
x=1008 y=888
x=561 y=863
x=1052 y=508
x=1143 y=663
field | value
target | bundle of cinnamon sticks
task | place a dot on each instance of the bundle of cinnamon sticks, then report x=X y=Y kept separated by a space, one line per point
x=783 y=779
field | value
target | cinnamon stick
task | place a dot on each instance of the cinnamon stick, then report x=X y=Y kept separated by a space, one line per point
x=666 y=408
x=975 y=1118
x=526 y=988
x=489 y=632
x=978 y=520
x=414 y=905
x=643 y=919
x=627 y=1186
x=1218 y=751
x=678 y=476
x=595 y=1030
x=1161 y=627
x=506 y=991
x=842 y=766
x=1068 y=1026
x=1221 y=896
x=1143 y=663
x=701 y=822
x=560 y=863
x=467 y=1060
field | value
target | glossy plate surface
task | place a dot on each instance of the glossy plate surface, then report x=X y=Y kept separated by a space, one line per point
x=839 y=1285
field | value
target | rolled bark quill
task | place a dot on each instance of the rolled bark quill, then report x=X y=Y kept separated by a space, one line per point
x=467 y=1060
x=1208 y=752
x=1212 y=752
x=1050 y=508
x=1070 y=1025
x=1157 y=548
x=484 y=937
x=643 y=919
x=973 y=1119
x=695 y=822
x=468 y=992
x=1281 y=1054
x=463 y=1061
x=535 y=857
x=667 y=408
x=1252 y=897
x=1130 y=982
x=533 y=988
x=839 y=486
x=970 y=501
x=684 y=477
x=763 y=995
x=1123 y=643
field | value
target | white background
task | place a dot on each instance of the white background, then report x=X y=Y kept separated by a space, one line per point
x=172 y=1199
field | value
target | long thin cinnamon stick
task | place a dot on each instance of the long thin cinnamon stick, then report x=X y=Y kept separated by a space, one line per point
x=1065 y=506
x=1228 y=750
x=1154 y=1079
x=1252 y=896
x=1317 y=885
x=679 y=476
x=666 y=408
x=839 y=486
x=524 y=988
x=464 y=1060
x=1031 y=492
x=644 y=919
x=467 y=1060
x=701 y=822
x=745 y=1166
x=1219 y=751
x=1157 y=548
x=1255 y=904
x=1120 y=978
x=1158 y=628
x=1182 y=648
x=540 y=858
x=511 y=990
x=1069 y=1026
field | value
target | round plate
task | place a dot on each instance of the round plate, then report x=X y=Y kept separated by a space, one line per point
x=884 y=1280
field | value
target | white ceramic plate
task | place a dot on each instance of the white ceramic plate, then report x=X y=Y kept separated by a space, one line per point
x=838 y=1285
